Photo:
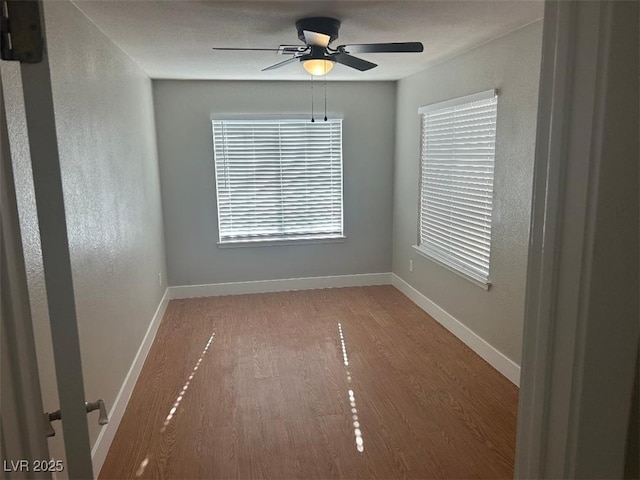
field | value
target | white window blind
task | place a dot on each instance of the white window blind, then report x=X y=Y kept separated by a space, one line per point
x=456 y=194
x=278 y=179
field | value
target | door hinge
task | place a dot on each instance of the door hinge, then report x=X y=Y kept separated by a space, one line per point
x=21 y=31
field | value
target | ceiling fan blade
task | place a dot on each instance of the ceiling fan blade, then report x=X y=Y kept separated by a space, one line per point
x=246 y=49
x=397 y=47
x=317 y=39
x=281 y=64
x=351 y=61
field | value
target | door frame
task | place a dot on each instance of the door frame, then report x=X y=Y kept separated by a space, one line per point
x=565 y=362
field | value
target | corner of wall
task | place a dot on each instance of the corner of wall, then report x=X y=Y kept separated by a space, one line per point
x=488 y=352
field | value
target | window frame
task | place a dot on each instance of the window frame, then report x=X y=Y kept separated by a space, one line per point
x=454 y=266
x=271 y=241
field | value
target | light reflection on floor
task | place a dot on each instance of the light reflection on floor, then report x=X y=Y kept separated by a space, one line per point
x=180 y=396
x=345 y=358
x=357 y=431
x=142 y=467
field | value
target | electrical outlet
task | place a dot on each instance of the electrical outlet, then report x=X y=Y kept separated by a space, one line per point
x=160 y=278
x=411 y=266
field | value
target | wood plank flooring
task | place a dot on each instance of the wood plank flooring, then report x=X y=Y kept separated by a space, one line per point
x=260 y=386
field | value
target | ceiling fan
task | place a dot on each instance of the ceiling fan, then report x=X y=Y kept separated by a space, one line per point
x=318 y=57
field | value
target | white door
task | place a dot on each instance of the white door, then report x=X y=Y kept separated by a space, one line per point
x=23 y=433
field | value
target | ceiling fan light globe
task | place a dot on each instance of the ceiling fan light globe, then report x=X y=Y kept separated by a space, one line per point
x=317 y=66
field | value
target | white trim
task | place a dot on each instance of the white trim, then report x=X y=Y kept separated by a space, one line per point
x=467 y=276
x=474 y=97
x=281 y=243
x=490 y=354
x=103 y=442
x=279 y=285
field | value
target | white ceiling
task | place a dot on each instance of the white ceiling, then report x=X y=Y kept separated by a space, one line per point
x=173 y=38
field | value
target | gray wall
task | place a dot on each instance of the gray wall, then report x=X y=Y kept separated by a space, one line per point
x=104 y=119
x=511 y=64
x=185 y=148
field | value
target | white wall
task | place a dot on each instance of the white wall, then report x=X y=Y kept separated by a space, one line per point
x=185 y=148
x=512 y=65
x=104 y=120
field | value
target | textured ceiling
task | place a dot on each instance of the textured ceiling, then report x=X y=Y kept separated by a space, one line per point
x=173 y=38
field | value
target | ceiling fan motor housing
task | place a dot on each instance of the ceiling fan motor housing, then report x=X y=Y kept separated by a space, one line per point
x=319 y=53
x=326 y=25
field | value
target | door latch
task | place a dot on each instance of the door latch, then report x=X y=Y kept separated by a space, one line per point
x=103 y=418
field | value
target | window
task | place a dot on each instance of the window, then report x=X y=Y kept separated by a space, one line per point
x=456 y=184
x=278 y=179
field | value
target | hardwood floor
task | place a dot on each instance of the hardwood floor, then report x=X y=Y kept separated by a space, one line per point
x=276 y=394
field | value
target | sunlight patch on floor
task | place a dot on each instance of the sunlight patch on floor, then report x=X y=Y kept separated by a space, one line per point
x=180 y=396
x=357 y=431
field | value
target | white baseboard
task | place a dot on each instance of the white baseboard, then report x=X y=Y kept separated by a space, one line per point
x=280 y=285
x=101 y=447
x=496 y=359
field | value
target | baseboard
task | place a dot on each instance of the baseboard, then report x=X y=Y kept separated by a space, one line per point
x=280 y=285
x=103 y=443
x=495 y=358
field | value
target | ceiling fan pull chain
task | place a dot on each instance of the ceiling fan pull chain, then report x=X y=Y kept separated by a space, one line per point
x=312 y=119
x=325 y=97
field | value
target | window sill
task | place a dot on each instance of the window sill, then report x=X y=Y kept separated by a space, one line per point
x=466 y=276
x=280 y=243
